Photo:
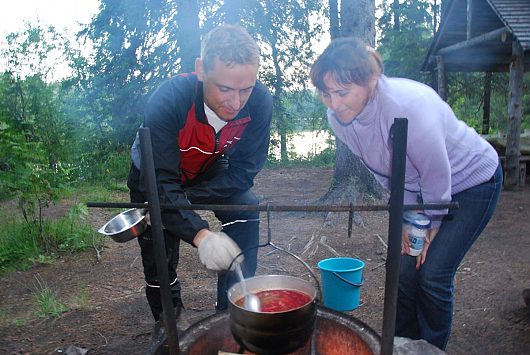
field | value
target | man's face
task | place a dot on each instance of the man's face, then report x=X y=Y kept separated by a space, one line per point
x=226 y=89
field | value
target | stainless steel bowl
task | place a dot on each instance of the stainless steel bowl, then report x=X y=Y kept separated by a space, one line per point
x=126 y=226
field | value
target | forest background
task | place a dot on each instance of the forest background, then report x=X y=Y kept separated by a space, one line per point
x=68 y=132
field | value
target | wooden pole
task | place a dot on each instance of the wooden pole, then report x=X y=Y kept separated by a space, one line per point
x=513 y=180
x=497 y=34
x=470 y=11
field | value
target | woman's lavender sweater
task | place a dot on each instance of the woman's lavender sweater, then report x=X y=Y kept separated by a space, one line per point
x=444 y=155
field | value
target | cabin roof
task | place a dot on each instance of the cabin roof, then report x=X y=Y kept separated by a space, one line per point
x=494 y=24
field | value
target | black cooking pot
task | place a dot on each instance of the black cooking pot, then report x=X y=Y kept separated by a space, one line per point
x=272 y=333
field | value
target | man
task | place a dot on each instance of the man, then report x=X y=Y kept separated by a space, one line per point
x=210 y=137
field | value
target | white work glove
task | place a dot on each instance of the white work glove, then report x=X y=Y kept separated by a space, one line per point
x=217 y=250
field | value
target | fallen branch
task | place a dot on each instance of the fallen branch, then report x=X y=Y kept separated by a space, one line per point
x=98 y=251
x=382 y=241
x=106 y=341
x=478 y=309
x=473 y=275
x=323 y=242
x=378 y=266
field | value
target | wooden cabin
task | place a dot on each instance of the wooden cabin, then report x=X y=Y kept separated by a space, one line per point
x=487 y=36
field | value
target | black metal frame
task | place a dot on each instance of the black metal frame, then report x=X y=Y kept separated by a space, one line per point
x=395 y=208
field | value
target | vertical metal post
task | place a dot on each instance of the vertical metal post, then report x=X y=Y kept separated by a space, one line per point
x=399 y=150
x=148 y=170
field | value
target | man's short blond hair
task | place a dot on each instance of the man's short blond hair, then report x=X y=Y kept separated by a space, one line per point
x=231 y=44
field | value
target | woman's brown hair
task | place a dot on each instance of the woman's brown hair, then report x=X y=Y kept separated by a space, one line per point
x=348 y=61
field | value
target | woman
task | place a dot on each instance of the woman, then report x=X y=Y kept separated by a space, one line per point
x=446 y=161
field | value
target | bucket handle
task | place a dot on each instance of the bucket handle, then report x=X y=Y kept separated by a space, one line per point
x=348 y=281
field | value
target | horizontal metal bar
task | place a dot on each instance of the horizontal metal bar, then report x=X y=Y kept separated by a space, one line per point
x=276 y=208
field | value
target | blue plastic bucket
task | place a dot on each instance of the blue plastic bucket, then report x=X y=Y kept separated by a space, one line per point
x=342 y=279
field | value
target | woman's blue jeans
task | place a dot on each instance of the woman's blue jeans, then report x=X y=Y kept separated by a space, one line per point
x=425 y=297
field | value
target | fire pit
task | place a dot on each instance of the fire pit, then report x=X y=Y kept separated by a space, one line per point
x=334 y=333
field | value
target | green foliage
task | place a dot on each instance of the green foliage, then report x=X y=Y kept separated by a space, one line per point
x=30 y=103
x=110 y=170
x=18 y=246
x=71 y=233
x=21 y=322
x=24 y=243
x=41 y=50
x=135 y=49
x=286 y=32
x=303 y=114
x=466 y=98
x=87 y=192
x=35 y=137
x=403 y=46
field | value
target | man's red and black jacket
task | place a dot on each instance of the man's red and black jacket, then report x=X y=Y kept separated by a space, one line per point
x=185 y=145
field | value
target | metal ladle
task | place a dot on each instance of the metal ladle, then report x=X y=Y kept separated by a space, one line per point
x=250 y=300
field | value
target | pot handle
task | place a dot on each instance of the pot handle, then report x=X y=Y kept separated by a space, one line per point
x=303 y=263
x=348 y=281
x=270 y=243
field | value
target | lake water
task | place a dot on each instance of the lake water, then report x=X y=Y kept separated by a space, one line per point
x=304 y=143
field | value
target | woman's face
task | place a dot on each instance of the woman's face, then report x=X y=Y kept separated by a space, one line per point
x=347 y=101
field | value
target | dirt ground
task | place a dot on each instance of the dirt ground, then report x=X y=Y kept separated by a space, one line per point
x=109 y=314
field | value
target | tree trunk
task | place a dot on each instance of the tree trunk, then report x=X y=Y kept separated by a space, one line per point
x=189 y=39
x=278 y=110
x=358 y=19
x=351 y=179
x=513 y=179
x=334 y=26
x=232 y=9
x=442 y=83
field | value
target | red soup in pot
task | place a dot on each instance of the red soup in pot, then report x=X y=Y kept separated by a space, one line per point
x=279 y=300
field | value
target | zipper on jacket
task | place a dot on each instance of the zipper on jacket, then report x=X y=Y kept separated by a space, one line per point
x=216 y=144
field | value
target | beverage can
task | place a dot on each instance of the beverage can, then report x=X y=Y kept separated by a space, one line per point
x=417 y=224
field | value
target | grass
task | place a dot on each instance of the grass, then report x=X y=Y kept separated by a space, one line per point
x=20 y=322
x=46 y=301
x=21 y=245
x=81 y=298
x=24 y=243
x=86 y=192
x=18 y=247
